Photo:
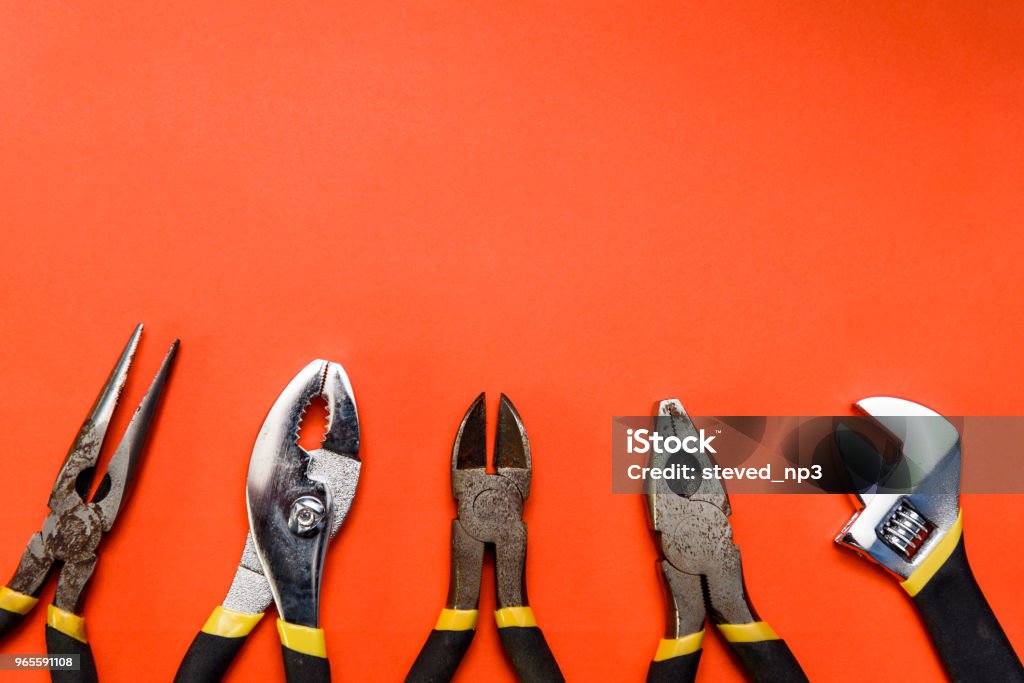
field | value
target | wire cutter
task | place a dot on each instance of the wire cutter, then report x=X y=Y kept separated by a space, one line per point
x=703 y=575
x=297 y=501
x=490 y=514
x=73 y=529
x=912 y=525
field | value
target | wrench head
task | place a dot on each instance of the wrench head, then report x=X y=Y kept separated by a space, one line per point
x=915 y=500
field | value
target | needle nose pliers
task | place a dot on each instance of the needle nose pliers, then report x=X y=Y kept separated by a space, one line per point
x=297 y=501
x=912 y=525
x=490 y=514
x=73 y=529
x=702 y=572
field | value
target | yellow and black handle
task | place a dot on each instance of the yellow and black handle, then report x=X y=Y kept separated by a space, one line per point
x=521 y=638
x=765 y=656
x=304 y=652
x=446 y=645
x=13 y=608
x=966 y=633
x=676 y=659
x=526 y=647
x=216 y=646
x=65 y=635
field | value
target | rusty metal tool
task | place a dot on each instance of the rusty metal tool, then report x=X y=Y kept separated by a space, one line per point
x=490 y=515
x=76 y=524
x=703 y=576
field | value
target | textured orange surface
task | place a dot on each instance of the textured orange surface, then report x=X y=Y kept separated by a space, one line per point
x=586 y=206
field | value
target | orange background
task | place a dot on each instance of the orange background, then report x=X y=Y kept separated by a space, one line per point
x=586 y=206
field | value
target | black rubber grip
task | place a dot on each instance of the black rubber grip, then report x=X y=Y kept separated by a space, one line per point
x=440 y=656
x=302 y=668
x=58 y=643
x=682 y=669
x=208 y=658
x=969 y=639
x=769 y=661
x=531 y=657
x=9 y=621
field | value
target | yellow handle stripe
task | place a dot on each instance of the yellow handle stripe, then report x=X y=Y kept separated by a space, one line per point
x=13 y=601
x=754 y=632
x=67 y=623
x=229 y=623
x=457 y=620
x=304 y=639
x=514 y=616
x=936 y=558
x=677 y=647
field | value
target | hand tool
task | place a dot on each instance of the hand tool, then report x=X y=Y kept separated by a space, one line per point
x=912 y=525
x=73 y=529
x=490 y=514
x=702 y=572
x=297 y=501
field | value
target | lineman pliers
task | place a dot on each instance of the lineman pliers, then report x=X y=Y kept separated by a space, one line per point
x=703 y=576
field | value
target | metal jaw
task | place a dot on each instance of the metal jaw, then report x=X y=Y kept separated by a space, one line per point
x=699 y=561
x=298 y=499
x=75 y=526
x=490 y=506
x=898 y=530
